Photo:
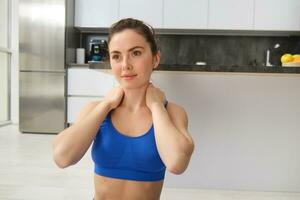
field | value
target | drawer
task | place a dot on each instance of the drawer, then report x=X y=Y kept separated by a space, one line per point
x=89 y=82
x=75 y=104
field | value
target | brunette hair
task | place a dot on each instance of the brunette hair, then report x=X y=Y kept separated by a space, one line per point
x=140 y=27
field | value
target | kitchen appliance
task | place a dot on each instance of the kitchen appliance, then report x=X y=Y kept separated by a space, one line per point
x=98 y=50
x=47 y=42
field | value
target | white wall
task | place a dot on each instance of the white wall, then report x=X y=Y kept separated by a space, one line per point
x=4 y=60
x=246 y=129
x=15 y=63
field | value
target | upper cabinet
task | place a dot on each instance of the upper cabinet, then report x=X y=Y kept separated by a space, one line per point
x=150 y=11
x=277 y=15
x=231 y=14
x=188 y=14
x=96 y=13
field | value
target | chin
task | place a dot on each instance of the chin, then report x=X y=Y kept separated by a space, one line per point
x=133 y=85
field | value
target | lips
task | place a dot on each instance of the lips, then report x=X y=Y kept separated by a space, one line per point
x=128 y=76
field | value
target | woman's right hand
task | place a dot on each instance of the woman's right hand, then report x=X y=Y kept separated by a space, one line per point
x=114 y=97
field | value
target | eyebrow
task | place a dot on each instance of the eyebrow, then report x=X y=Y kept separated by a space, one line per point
x=135 y=47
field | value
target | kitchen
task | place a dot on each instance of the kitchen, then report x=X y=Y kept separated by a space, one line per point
x=243 y=113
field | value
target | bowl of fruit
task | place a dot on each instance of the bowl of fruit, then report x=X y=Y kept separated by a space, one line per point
x=289 y=60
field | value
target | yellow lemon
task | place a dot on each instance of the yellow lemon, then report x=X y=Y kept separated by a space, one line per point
x=286 y=58
x=296 y=56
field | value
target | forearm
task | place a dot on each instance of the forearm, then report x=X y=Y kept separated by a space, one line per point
x=174 y=147
x=72 y=143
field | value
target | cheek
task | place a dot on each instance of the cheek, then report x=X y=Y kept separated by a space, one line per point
x=147 y=65
x=146 y=73
x=116 y=70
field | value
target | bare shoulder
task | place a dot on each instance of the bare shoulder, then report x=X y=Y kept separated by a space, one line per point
x=175 y=108
x=179 y=118
x=177 y=113
x=86 y=109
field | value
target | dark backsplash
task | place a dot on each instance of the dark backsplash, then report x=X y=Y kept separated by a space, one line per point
x=225 y=50
x=219 y=50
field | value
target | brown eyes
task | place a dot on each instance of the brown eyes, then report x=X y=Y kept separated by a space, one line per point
x=133 y=54
x=136 y=53
x=115 y=57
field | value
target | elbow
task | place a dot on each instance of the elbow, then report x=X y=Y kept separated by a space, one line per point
x=61 y=163
x=59 y=156
x=176 y=170
x=60 y=159
x=180 y=163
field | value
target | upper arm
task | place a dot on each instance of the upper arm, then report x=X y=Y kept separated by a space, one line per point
x=85 y=110
x=180 y=119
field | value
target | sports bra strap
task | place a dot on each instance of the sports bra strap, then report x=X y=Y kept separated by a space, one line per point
x=166 y=103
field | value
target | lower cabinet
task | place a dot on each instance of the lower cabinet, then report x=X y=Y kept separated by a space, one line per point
x=75 y=104
x=85 y=85
x=89 y=82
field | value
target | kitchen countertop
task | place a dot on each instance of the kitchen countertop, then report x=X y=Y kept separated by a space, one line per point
x=204 y=68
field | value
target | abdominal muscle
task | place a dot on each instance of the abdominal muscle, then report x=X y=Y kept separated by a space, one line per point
x=118 y=189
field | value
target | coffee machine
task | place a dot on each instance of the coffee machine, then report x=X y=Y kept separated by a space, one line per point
x=98 y=50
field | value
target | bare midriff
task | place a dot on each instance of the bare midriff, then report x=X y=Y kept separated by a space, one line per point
x=118 y=189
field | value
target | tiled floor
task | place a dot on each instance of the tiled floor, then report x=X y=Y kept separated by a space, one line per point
x=27 y=172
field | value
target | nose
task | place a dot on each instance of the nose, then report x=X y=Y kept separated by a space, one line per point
x=126 y=65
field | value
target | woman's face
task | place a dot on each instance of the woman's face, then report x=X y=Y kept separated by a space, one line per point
x=131 y=59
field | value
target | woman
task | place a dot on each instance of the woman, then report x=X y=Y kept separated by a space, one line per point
x=136 y=133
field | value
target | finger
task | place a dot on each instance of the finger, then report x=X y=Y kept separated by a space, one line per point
x=150 y=85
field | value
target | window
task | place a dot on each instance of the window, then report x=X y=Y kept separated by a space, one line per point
x=5 y=56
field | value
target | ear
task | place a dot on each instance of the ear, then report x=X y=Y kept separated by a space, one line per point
x=156 y=59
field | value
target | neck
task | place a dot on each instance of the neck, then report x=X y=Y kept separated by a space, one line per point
x=134 y=98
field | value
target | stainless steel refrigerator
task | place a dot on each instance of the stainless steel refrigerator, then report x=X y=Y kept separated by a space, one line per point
x=47 y=42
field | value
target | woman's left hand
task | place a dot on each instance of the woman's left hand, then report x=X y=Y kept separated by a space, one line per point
x=154 y=95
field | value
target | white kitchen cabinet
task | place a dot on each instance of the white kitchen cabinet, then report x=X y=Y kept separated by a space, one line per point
x=89 y=82
x=96 y=13
x=189 y=14
x=75 y=104
x=277 y=15
x=150 y=11
x=85 y=85
x=231 y=14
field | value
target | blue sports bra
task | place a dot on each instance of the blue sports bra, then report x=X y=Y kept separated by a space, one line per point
x=119 y=156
